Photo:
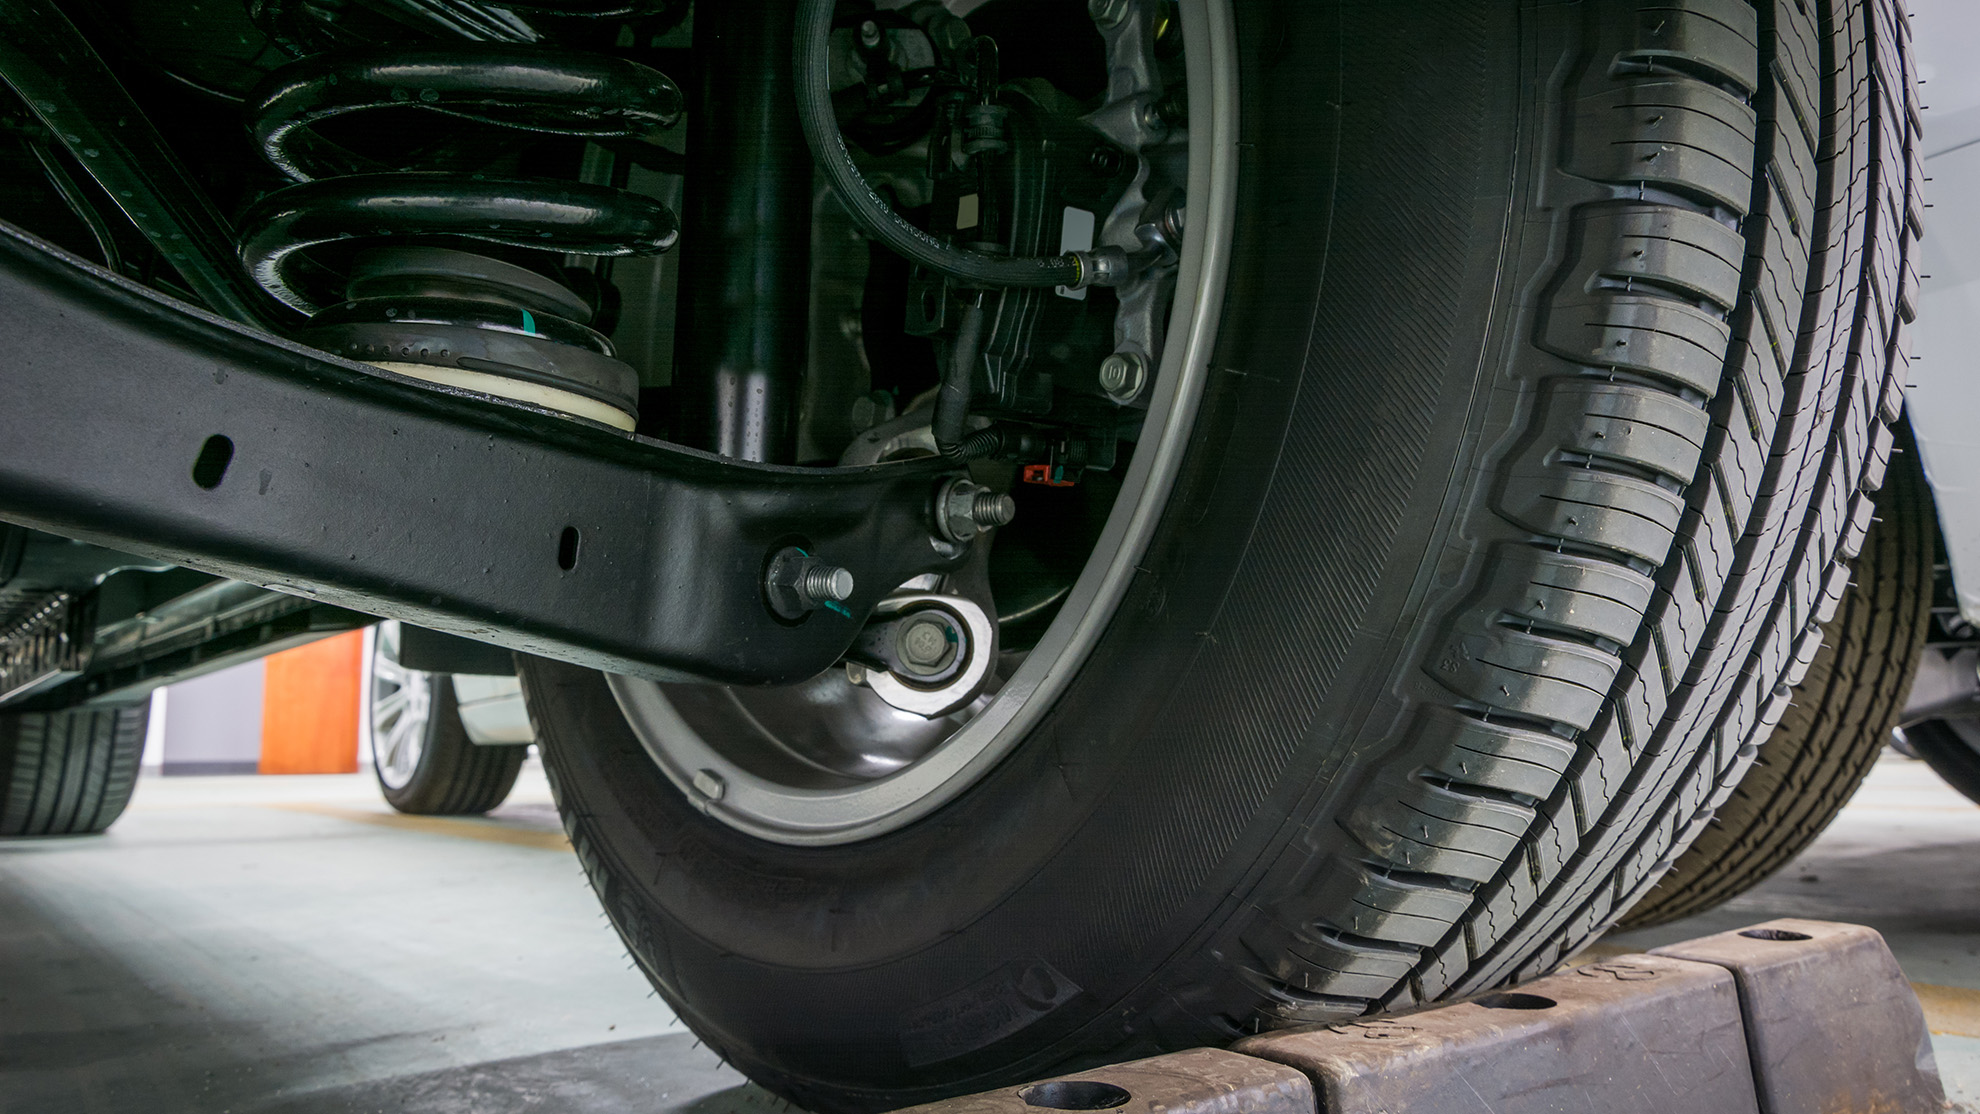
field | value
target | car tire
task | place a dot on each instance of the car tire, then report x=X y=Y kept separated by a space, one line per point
x=421 y=754
x=1553 y=381
x=1839 y=722
x=68 y=772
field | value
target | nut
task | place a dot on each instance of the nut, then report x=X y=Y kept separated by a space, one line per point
x=963 y=509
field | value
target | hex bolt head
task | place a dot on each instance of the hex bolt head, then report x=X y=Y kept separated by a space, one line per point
x=797 y=583
x=1122 y=375
x=925 y=644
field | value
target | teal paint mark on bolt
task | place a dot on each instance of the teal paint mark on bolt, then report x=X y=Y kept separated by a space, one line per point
x=838 y=608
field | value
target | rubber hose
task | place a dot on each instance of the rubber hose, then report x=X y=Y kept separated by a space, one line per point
x=951 y=419
x=868 y=209
x=984 y=442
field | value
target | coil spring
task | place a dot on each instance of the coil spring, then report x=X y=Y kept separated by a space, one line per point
x=408 y=306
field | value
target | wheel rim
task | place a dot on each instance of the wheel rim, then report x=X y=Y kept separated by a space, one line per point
x=401 y=706
x=827 y=762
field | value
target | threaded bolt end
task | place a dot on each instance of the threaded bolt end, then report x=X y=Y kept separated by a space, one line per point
x=992 y=509
x=826 y=582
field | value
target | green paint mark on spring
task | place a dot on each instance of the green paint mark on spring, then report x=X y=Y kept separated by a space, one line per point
x=529 y=323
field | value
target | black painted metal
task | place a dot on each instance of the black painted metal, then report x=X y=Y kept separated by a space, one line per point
x=434 y=652
x=63 y=80
x=355 y=487
x=210 y=628
x=745 y=238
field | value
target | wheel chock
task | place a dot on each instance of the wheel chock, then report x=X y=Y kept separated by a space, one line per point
x=1637 y=1035
x=1831 y=1023
x=1200 y=1081
x=1787 y=1017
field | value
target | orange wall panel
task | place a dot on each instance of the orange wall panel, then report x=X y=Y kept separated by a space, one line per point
x=309 y=707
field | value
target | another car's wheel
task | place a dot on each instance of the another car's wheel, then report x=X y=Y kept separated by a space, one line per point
x=420 y=749
x=1529 y=377
x=1839 y=721
x=68 y=772
x=1942 y=722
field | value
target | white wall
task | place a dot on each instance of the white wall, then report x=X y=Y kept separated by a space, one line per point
x=1944 y=397
x=213 y=723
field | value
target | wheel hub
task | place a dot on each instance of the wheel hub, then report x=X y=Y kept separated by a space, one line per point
x=857 y=752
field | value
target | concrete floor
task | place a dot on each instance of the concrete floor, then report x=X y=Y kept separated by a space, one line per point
x=291 y=945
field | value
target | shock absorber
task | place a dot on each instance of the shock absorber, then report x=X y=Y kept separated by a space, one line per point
x=413 y=303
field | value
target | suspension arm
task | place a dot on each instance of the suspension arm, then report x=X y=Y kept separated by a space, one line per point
x=137 y=422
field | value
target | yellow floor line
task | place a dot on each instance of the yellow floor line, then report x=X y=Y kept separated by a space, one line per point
x=438 y=825
x=1953 y=1011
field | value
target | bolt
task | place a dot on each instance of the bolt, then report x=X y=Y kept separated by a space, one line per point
x=1108 y=13
x=797 y=583
x=826 y=582
x=869 y=34
x=926 y=644
x=1122 y=375
x=963 y=508
x=870 y=410
x=991 y=509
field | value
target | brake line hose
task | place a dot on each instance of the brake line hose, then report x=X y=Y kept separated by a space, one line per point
x=873 y=215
